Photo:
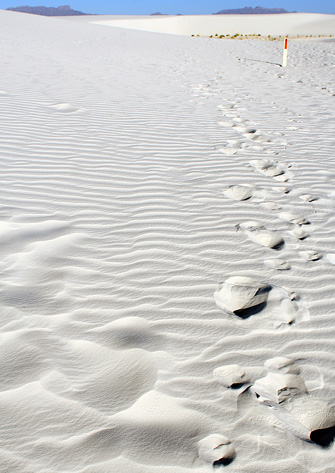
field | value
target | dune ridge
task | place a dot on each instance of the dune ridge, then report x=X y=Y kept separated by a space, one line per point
x=205 y=25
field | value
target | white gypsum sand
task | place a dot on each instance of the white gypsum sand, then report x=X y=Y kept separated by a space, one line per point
x=116 y=230
x=292 y=24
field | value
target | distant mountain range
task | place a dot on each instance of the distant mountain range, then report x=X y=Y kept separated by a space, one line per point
x=65 y=10
x=251 y=11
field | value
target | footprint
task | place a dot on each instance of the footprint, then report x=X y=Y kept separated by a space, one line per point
x=64 y=108
x=231 y=114
x=245 y=297
x=239 y=192
x=282 y=382
x=260 y=138
x=257 y=233
x=245 y=130
x=310 y=255
x=236 y=377
x=240 y=120
x=217 y=450
x=226 y=105
x=285 y=392
x=310 y=419
x=242 y=296
x=282 y=190
x=308 y=197
x=268 y=168
x=270 y=205
x=293 y=218
x=231 y=147
x=231 y=376
x=290 y=309
x=229 y=151
x=277 y=263
x=271 y=151
x=299 y=233
x=257 y=148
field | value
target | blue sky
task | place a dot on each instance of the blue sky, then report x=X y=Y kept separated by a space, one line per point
x=185 y=7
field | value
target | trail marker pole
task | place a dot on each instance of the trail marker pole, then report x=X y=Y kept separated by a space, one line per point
x=285 y=53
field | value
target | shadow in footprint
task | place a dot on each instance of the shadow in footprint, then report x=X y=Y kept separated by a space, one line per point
x=323 y=437
x=279 y=246
x=249 y=311
x=237 y=386
x=222 y=462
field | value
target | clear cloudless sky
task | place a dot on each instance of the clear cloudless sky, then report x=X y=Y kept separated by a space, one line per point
x=172 y=7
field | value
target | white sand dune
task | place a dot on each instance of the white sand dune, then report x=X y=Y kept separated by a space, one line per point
x=206 y=25
x=129 y=161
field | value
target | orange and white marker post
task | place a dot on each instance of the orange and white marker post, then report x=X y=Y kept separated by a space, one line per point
x=285 y=53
